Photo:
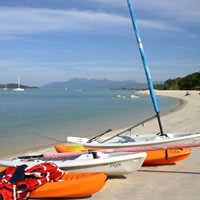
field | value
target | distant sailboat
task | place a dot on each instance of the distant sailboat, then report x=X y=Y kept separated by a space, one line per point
x=5 y=88
x=18 y=89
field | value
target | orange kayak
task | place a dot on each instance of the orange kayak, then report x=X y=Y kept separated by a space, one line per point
x=73 y=185
x=157 y=157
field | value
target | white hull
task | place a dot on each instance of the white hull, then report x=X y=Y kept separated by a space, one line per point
x=137 y=140
x=18 y=89
x=114 y=164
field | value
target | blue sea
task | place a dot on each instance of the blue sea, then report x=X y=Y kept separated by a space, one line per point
x=37 y=118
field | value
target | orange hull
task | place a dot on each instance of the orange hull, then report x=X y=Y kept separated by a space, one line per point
x=2 y=168
x=157 y=157
x=64 y=148
x=74 y=185
x=163 y=157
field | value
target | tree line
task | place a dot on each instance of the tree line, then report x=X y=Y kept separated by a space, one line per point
x=15 y=85
x=189 y=82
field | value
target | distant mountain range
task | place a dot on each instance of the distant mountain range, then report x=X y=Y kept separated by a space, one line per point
x=79 y=83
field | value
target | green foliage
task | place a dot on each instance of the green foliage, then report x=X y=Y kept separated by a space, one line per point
x=159 y=87
x=171 y=84
x=189 y=82
x=14 y=85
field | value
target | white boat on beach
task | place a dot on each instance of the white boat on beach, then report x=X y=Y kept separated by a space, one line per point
x=18 y=89
x=119 y=141
x=125 y=138
x=114 y=164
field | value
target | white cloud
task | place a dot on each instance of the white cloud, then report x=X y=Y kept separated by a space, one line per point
x=34 y=20
x=23 y=21
x=158 y=25
x=181 y=10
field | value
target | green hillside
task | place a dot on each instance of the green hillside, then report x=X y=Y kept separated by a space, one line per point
x=189 y=82
x=14 y=85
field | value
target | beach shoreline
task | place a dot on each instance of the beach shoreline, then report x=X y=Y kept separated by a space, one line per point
x=139 y=130
x=51 y=140
x=142 y=184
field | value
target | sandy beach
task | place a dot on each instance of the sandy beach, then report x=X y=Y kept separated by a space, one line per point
x=174 y=182
x=177 y=181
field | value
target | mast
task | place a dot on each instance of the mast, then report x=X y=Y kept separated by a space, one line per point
x=146 y=68
x=18 y=82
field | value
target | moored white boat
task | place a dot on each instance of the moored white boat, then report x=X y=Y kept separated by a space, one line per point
x=114 y=164
x=18 y=89
x=5 y=88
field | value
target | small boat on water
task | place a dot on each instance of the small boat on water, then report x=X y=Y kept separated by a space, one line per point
x=114 y=164
x=118 y=96
x=5 y=88
x=18 y=89
x=73 y=185
x=156 y=157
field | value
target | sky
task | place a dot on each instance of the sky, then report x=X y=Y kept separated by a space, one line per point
x=43 y=41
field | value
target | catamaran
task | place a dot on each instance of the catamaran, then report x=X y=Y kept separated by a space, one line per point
x=126 y=138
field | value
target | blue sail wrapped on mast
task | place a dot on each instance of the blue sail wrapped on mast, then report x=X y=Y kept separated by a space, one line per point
x=146 y=67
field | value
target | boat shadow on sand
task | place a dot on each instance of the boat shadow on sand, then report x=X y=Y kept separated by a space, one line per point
x=145 y=169
x=169 y=171
x=117 y=177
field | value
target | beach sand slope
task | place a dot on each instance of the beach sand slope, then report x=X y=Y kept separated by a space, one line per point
x=179 y=181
